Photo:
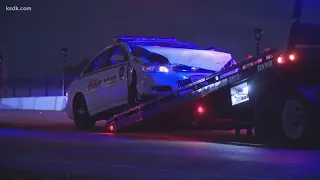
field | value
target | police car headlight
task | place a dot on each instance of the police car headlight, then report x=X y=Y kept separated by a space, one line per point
x=163 y=69
x=155 y=68
x=231 y=63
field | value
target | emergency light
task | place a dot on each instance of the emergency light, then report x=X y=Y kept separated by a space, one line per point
x=141 y=38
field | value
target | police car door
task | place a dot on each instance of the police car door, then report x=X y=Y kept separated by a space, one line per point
x=119 y=62
x=94 y=76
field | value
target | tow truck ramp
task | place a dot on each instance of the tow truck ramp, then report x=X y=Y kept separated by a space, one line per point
x=170 y=109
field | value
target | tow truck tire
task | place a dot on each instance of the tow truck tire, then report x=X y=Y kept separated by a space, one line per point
x=283 y=119
x=82 y=118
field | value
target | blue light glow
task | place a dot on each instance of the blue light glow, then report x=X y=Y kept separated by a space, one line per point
x=140 y=38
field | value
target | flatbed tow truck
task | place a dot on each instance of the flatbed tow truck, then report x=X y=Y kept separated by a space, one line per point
x=276 y=94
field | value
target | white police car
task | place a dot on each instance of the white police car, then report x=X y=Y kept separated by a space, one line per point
x=134 y=67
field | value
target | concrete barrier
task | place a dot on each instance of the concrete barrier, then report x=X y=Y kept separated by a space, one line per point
x=60 y=103
x=9 y=103
x=50 y=103
x=26 y=103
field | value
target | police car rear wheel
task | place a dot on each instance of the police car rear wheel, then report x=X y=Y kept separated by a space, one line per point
x=82 y=118
x=134 y=98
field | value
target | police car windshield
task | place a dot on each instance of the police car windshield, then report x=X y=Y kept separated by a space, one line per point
x=134 y=44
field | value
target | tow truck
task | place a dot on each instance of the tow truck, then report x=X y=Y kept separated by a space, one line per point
x=276 y=94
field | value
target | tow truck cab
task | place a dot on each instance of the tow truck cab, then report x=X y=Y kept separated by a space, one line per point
x=283 y=80
x=291 y=80
x=298 y=67
x=274 y=93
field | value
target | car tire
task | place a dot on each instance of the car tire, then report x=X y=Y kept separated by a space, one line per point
x=82 y=118
x=133 y=95
x=283 y=119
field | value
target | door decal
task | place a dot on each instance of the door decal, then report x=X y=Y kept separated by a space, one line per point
x=121 y=73
x=109 y=80
x=94 y=84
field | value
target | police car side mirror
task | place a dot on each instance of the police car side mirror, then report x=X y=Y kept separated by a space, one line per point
x=136 y=54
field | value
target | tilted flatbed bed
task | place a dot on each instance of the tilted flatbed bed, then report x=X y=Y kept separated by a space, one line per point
x=165 y=108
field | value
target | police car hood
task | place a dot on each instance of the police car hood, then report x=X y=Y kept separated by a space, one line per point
x=205 y=59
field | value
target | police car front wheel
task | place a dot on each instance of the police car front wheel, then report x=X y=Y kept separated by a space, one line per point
x=134 y=96
x=82 y=117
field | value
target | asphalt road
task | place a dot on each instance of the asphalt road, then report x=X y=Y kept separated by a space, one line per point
x=45 y=145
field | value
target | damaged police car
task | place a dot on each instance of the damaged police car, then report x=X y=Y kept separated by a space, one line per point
x=135 y=67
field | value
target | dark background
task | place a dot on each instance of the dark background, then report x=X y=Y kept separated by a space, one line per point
x=85 y=27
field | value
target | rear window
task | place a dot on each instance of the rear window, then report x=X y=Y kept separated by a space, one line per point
x=310 y=13
x=306 y=33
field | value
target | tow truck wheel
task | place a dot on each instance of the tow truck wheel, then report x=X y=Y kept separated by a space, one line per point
x=134 y=97
x=294 y=118
x=82 y=117
x=282 y=119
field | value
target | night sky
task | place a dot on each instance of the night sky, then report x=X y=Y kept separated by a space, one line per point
x=85 y=27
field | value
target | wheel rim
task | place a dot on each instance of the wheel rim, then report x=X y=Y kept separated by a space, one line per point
x=137 y=98
x=294 y=118
x=80 y=111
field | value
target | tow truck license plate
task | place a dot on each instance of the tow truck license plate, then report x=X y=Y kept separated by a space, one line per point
x=264 y=66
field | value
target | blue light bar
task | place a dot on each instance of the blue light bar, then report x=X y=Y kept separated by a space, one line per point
x=139 y=38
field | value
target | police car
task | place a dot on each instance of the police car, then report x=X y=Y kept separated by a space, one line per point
x=133 y=68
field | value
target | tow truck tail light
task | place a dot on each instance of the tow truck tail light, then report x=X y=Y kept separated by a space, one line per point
x=111 y=128
x=292 y=57
x=284 y=58
x=280 y=60
x=200 y=109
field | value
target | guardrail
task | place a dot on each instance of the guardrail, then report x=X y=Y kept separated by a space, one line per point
x=35 y=87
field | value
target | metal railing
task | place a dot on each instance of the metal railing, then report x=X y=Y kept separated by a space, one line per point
x=34 y=87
